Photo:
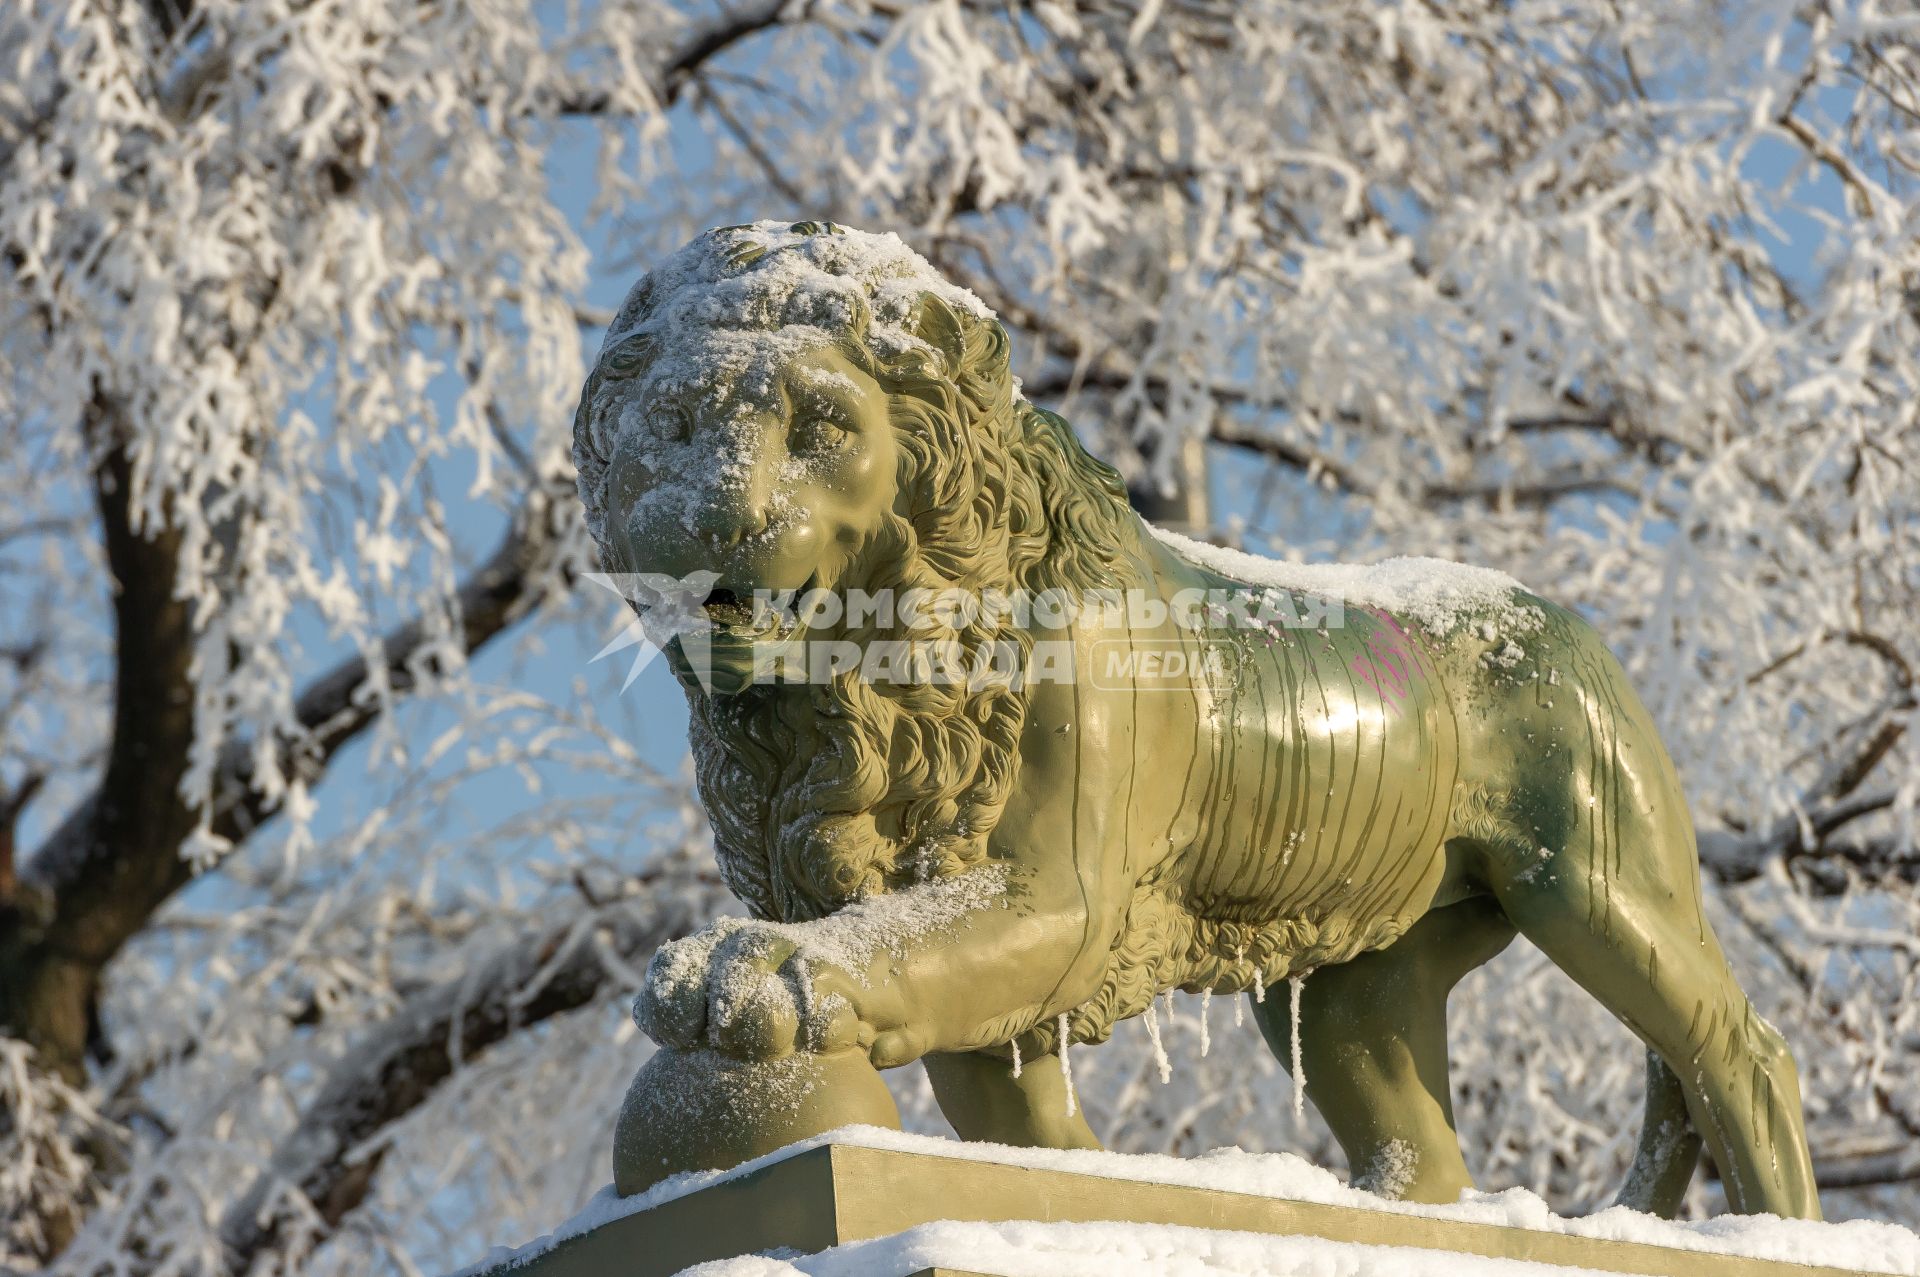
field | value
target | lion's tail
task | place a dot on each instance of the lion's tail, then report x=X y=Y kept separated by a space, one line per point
x=1669 y=1148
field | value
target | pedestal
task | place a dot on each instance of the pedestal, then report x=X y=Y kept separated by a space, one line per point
x=838 y=1193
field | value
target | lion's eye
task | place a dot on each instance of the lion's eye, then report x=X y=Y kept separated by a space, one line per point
x=818 y=434
x=672 y=423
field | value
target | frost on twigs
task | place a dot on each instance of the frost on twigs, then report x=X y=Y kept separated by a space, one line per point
x=50 y=1135
x=294 y=305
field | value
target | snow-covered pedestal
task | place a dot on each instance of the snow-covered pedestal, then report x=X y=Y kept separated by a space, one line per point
x=879 y=1203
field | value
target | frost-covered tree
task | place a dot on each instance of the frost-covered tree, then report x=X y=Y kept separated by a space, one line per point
x=316 y=927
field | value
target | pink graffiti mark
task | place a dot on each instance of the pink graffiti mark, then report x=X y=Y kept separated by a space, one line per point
x=1389 y=665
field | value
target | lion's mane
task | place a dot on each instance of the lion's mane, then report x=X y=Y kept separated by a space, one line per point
x=825 y=793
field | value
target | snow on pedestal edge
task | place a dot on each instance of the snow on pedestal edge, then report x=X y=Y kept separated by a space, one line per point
x=1868 y=1246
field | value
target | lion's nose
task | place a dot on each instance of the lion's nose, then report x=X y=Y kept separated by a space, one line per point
x=725 y=524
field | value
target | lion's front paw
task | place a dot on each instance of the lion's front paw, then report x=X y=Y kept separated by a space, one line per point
x=749 y=992
x=671 y=1007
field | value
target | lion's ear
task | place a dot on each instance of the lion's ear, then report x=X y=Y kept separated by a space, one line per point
x=626 y=357
x=937 y=324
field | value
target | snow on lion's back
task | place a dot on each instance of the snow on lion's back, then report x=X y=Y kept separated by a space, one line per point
x=1437 y=594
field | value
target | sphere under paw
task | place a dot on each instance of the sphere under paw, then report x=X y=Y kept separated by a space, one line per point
x=704 y=1110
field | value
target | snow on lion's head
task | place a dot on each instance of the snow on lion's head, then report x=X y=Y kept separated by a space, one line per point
x=800 y=407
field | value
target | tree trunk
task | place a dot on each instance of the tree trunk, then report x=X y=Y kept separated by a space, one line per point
x=127 y=849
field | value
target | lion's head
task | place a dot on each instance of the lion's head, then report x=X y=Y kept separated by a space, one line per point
x=800 y=406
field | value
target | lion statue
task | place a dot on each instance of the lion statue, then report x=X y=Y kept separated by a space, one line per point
x=1377 y=776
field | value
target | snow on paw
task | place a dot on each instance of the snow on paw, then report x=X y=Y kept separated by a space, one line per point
x=671 y=1008
x=753 y=1002
x=746 y=989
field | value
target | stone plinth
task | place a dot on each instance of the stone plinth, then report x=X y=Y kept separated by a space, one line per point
x=839 y=1193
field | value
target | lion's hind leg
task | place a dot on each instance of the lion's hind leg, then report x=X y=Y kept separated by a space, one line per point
x=1653 y=962
x=981 y=1097
x=1614 y=900
x=1373 y=1046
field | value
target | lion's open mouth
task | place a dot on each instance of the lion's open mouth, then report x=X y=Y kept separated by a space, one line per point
x=729 y=611
x=750 y=618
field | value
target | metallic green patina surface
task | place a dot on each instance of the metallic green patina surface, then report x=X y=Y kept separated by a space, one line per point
x=954 y=874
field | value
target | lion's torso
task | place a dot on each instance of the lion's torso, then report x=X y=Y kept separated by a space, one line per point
x=1281 y=807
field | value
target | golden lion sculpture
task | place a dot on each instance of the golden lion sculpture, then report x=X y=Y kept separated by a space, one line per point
x=1375 y=776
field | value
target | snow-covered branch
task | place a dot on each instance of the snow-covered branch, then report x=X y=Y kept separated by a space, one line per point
x=325 y=1165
